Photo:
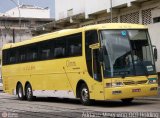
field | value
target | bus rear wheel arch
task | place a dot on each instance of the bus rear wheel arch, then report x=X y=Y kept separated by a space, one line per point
x=19 y=91
x=29 y=92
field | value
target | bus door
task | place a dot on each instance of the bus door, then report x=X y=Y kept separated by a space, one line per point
x=97 y=75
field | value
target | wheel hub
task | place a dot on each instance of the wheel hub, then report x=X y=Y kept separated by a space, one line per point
x=84 y=94
x=29 y=93
x=20 y=92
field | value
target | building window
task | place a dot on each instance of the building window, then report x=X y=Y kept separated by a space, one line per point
x=156 y=19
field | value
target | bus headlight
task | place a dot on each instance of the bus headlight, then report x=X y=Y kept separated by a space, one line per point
x=114 y=84
x=152 y=80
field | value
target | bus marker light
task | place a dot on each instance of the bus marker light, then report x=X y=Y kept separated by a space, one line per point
x=153 y=88
x=116 y=92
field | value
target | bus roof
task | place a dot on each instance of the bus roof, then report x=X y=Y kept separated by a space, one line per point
x=76 y=30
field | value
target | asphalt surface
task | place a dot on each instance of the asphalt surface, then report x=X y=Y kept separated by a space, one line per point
x=10 y=106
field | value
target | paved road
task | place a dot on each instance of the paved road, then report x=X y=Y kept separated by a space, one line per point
x=10 y=106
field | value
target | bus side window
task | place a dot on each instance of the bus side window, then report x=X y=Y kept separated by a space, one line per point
x=91 y=37
x=45 y=50
x=60 y=48
x=5 y=57
x=59 y=52
x=12 y=57
x=96 y=66
x=45 y=53
x=22 y=55
x=32 y=53
x=74 y=44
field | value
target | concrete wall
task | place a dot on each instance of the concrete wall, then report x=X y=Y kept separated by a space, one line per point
x=6 y=36
x=121 y=2
x=99 y=5
x=92 y=6
x=87 y=6
x=155 y=37
x=62 y=6
x=29 y=13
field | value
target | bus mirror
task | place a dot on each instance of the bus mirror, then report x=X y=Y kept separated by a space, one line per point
x=100 y=55
x=94 y=46
x=155 y=54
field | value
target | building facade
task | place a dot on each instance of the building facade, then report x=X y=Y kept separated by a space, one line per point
x=87 y=12
x=28 y=11
x=19 y=24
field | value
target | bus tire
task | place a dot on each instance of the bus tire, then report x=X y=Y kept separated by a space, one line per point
x=84 y=95
x=127 y=100
x=20 y=92
x=29 y=92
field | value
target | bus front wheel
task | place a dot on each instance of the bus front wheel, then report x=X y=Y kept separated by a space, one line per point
x=84 y=95
x=29 y=93
x=20 y=92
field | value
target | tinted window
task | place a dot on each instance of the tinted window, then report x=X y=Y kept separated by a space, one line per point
x=32 y=52
x=74 y=44
x=91 y=37
x=4 y=57
x=62 y=47
x=59 y=48
x=22 y=54
x=12 y=56
x=45 y=50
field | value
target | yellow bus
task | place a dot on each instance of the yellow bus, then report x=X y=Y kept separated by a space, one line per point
x=98 y=62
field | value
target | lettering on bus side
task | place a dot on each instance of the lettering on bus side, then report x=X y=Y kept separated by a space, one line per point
x=70 y=63
x=31 y=67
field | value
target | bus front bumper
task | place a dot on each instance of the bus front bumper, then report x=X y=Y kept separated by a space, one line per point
x=131 y=91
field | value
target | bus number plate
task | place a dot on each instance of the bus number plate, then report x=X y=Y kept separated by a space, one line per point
x=136 y=90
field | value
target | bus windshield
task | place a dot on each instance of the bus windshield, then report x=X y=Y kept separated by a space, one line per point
x=127 y=53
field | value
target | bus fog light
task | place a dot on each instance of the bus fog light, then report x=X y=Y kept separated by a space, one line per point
x=108 y=85
x=153 y=89
x=116 y=92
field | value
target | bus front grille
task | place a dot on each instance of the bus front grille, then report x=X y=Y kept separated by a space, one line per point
x=141 y=82
x=135 y=82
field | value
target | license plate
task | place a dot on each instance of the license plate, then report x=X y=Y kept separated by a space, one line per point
x=136 y=90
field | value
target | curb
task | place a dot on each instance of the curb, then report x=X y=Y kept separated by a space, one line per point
x=147 y=98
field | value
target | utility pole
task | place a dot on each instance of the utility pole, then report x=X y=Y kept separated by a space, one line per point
x=18 y=6
x=13 y=31
x=111 y=10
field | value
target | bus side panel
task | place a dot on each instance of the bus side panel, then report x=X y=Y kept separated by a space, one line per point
x=77 y=71
x=11 y=78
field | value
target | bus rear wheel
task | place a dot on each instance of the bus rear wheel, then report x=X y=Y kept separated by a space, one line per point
x=29 y=93
x=20 y=92
x=84 y=95
x=127 y=100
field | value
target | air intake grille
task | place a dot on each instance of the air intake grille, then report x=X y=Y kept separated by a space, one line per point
x=130 y=18
x=135 y=82
x=147 y=16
